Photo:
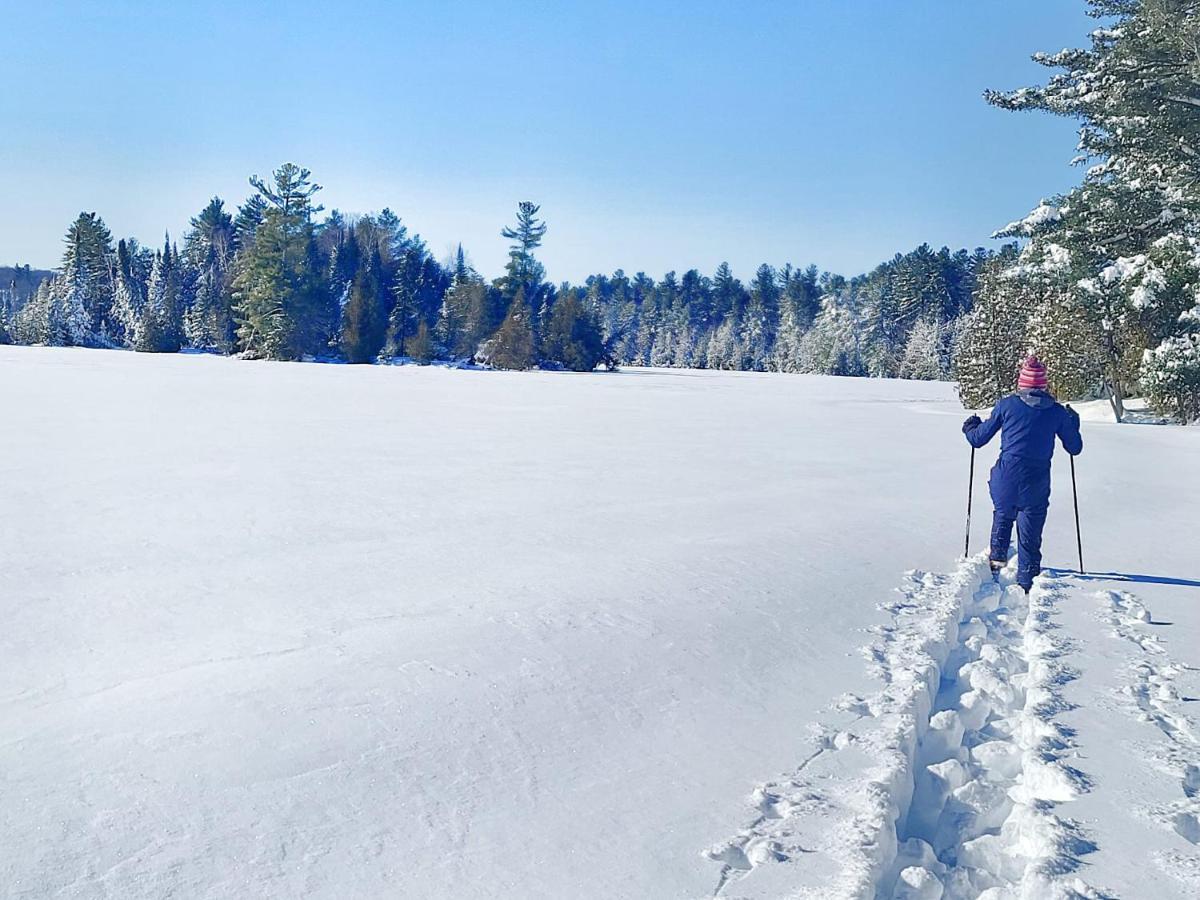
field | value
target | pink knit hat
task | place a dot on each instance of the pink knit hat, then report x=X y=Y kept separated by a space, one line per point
x=1033 y=375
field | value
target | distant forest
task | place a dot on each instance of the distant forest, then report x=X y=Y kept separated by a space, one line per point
x=272 y=280
x=1102 y=282
x=18 y=283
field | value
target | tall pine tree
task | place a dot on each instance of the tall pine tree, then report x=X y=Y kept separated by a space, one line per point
x=282 y=307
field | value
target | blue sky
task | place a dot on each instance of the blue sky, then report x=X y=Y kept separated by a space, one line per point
x=655 y=135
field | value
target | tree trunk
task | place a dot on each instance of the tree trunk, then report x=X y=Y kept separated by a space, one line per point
x=1117 y=396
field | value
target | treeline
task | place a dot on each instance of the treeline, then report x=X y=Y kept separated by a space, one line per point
x=271 y=281
x=17 y=284
x=1106 y=287
x=900 y=320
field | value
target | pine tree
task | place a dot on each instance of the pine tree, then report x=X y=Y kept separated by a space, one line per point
x=462 y=269
x=571 y=336
x=785 y=355
x=345 y=264
x=30 y=323
x=283 y=310
x=86 y=285
x=1058 y=334
x=208 y=252
x=724 y=348
x=466 y=317
x=760 y=319
x=728 y=295
x=926 y=353
x=70 y=324
x=696 y=301
x=511 y=347
x=418 y=288
x=249 y=217
x=160 y=329
x=405 y=315
x=618 y=315
x=1134 y=92
x=393 y=238
x=1171 y=374
x=523 y=270
x=451 y=322
x=831 y=346
x=364 y=318
x=993 y=340
x=421 y=347
x=129 y=299
x=801 y=292
x=662 y=346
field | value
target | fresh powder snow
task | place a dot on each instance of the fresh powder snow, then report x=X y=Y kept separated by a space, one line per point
x=281 y=629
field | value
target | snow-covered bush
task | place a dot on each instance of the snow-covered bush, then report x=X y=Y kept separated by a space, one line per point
x=1171 y=377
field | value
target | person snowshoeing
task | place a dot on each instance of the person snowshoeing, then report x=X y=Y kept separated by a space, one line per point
x=1028 y=422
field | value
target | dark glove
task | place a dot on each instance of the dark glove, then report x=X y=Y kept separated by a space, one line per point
x=973 y=422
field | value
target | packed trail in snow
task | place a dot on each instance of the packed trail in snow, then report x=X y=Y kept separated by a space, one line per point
x=958 y=778
x=1155 y=694
x=971 y=758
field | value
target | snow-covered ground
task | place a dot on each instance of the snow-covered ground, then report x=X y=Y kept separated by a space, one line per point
x=309 y=630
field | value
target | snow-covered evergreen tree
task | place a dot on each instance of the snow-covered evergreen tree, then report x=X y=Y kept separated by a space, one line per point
x=1134 y=92
x=466 y=317
x=926 y=353
x=70 y=323
x=785 y=355
x=831 y=346
x=84 y=291
x=32 y=322
x=129 y=298
x=724 y=349
x=208 y=253
x=760 y=319
x=160 y=328
x=992 y=342
x=1171 y=375
x=1058 y=334
x=282 y=306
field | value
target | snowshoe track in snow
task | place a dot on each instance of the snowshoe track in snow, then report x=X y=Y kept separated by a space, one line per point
x=1152 y=694
x=947 y=782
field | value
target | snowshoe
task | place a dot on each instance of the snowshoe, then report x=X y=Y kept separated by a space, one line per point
x=997 y=565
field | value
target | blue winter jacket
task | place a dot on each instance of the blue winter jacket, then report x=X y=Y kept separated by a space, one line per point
x=1028 y=422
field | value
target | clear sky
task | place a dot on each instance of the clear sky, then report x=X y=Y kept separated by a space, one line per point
x=655 y=135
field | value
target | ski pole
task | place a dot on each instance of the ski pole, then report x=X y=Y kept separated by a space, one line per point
x=1078 y=535
x=970 y=492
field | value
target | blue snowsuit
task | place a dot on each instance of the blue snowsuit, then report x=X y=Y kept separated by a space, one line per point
x=1028 y=422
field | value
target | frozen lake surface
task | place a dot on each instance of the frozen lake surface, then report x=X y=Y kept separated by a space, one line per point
x=312 y=630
